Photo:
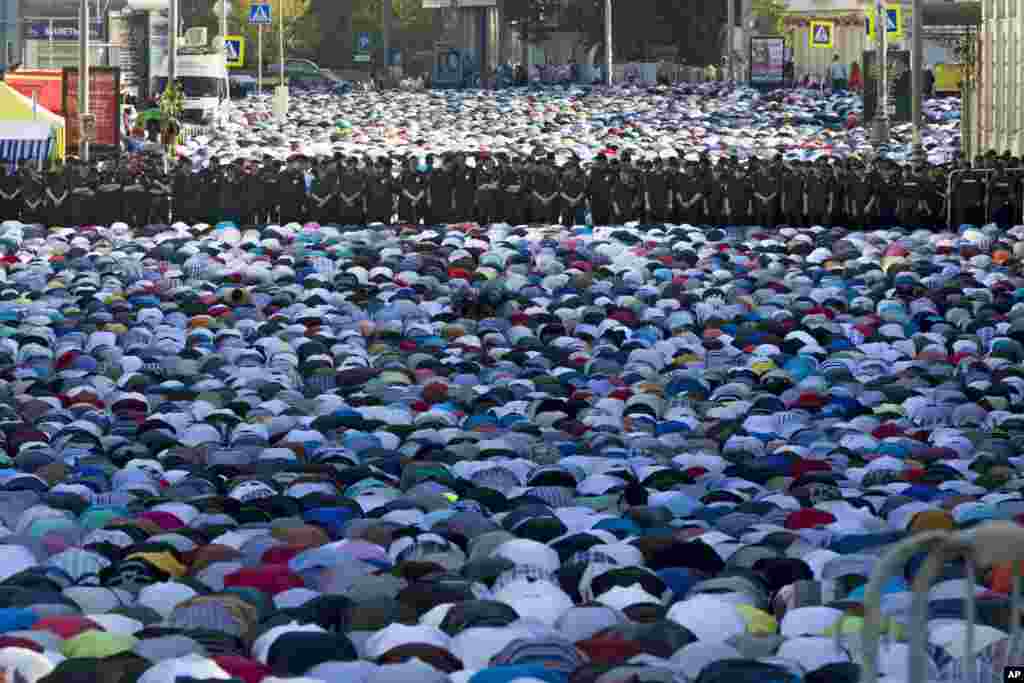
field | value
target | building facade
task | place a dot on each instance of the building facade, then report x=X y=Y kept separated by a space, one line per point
x=999 y=115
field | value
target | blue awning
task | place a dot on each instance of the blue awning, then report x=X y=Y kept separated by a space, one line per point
x=25 y=150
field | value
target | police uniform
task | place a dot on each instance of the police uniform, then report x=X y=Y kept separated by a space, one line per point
x=321 y=194
x=109 y=198
x=33 y=197
x=816 y=196
x=690 y=195
x=487 y=184
x=573 y=194
x=160 y=197
x=512 y=182
x=136 y=200
x=658 y=194
x=599 y=191
x=544 y=194
x=10 y=195
x=766 y=197
x=793 y=195
x=413 y=192
x=56 y=196
x=352 y=194
x=1003 y=209
x=440 y=187
x=292 y=193
x=82 y=199
x=624 y=195
x=380 y=193
x=465 y=190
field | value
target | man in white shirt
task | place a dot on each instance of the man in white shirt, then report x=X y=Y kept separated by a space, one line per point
x=837 y=72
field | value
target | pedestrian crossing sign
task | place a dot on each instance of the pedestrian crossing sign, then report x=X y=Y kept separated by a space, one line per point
x=822 y=33
x=234 y=51
x=259 y=14
x=894 y=22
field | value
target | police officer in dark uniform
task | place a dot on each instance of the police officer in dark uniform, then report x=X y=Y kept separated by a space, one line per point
x=56 y=196
x=321 y=194
x=10 y=194
x=817 y=191
x=465 y=179
x=412 y=198
x=292 y=191
x=380 y=192
x=440 y=187
x=690 y=193
x=109 y=197
x=573 y=194
x=487 y=183
x=887 y=191
x=352 y=194
x=210 y=179
x=791 y=194
x=658 y=193
x=160 y=195
x=513 y=181
x=738 y=194
x=1002 y=198
x=269 y=182
x=544 y=205
x=624 y=194
x=136 y=199
x=33 y=196
x=82 y=197
x=599 y=191
x=766 y=196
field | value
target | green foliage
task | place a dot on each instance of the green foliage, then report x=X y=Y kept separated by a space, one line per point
x=172 y=102
x=770 y=12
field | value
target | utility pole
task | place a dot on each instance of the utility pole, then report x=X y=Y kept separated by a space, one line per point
x=730 y=30
x=881 y=123
x=223 y=36
x=917 y=78
x=386 y=10
x=83 y=79
x=609 y=59
x=172 y=55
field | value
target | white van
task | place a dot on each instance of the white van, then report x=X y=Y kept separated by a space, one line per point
x=203 y=77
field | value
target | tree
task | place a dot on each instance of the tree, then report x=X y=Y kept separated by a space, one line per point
x=769 y=14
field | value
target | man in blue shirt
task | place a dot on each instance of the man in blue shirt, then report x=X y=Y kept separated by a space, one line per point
x=837 y=72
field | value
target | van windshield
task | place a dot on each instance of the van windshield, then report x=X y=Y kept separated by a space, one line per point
x=196 y=86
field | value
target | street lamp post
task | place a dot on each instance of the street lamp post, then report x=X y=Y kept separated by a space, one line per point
x=881 y=123
x=730 y=30
x=83 y=78
x=608 y=42
x=917 y=78
x=172 y=54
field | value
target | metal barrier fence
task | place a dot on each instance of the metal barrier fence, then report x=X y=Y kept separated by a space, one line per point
x=985 y=174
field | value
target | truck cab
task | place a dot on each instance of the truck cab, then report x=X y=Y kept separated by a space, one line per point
x=203 y=76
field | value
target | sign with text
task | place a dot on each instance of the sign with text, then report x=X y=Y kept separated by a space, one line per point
x=61 y=29
x=767 y=60
x=104 y=106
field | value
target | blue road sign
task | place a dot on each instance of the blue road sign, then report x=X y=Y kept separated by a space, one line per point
x=259 y=14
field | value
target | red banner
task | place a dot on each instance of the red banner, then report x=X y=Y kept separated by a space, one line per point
x=47 y=82
x=104 y=104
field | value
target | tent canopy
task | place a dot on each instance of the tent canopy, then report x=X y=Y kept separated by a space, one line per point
x=17 y=109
